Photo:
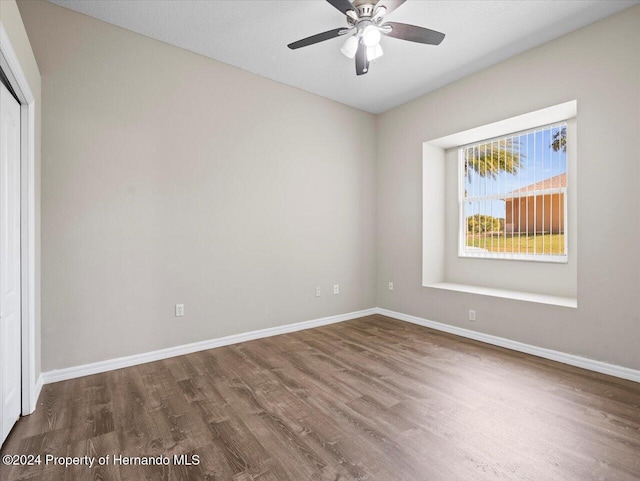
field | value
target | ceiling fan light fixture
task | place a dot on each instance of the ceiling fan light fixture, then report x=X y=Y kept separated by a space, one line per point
x=350 y=47
x=374 y=53
x=371 y=36
x=365 y=26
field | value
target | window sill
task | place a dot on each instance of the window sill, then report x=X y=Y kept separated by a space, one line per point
x=549 y=259
x=506 y=294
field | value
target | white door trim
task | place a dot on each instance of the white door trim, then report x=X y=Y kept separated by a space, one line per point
x=18 y=81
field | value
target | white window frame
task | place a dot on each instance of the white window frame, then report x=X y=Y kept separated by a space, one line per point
x=462 y=229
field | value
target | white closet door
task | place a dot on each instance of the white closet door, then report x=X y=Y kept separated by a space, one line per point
x=9 y=260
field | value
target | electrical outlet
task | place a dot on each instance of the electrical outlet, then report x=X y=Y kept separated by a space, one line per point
x=317 y=292
x=472 y=315
x=390 y=286
x=179 y=310
x=336 y=289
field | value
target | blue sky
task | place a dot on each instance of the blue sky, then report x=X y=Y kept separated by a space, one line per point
x=539 y=162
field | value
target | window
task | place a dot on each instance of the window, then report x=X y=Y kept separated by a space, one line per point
x=512 y=192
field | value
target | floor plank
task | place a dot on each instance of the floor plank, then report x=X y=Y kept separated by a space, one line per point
x=369 y=399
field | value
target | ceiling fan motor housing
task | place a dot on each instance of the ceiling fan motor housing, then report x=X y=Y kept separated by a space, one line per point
x=365 y=8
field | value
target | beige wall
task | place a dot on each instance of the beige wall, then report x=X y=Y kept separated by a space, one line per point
x=597 y=65
x=12 y=22
x=171 y=178
x=168 y=177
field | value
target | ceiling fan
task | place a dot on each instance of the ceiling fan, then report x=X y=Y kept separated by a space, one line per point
x=365 y=28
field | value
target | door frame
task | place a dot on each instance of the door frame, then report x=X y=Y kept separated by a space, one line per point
x=30 y=386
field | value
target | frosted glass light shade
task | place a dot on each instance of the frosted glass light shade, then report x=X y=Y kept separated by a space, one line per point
x=350 y=47
x=371 y=36
x=374 y=53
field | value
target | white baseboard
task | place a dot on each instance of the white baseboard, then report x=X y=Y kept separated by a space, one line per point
x=133 y=360
x=118 y=363
x=571 y=359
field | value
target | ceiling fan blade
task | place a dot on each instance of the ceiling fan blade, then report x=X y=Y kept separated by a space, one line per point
x=342 y=5
x=390 y=5
x=362 y=62
x=413 y=33
x=320 y=37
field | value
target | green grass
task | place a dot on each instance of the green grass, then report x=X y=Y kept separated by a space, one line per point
x=523 y=244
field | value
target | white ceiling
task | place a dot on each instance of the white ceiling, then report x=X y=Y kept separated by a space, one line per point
x=253 y=35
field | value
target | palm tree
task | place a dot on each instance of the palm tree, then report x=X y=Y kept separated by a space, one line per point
x=560 y=140
x=490 y=159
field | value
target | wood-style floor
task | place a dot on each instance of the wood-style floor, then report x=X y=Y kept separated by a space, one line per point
x=369 y=399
